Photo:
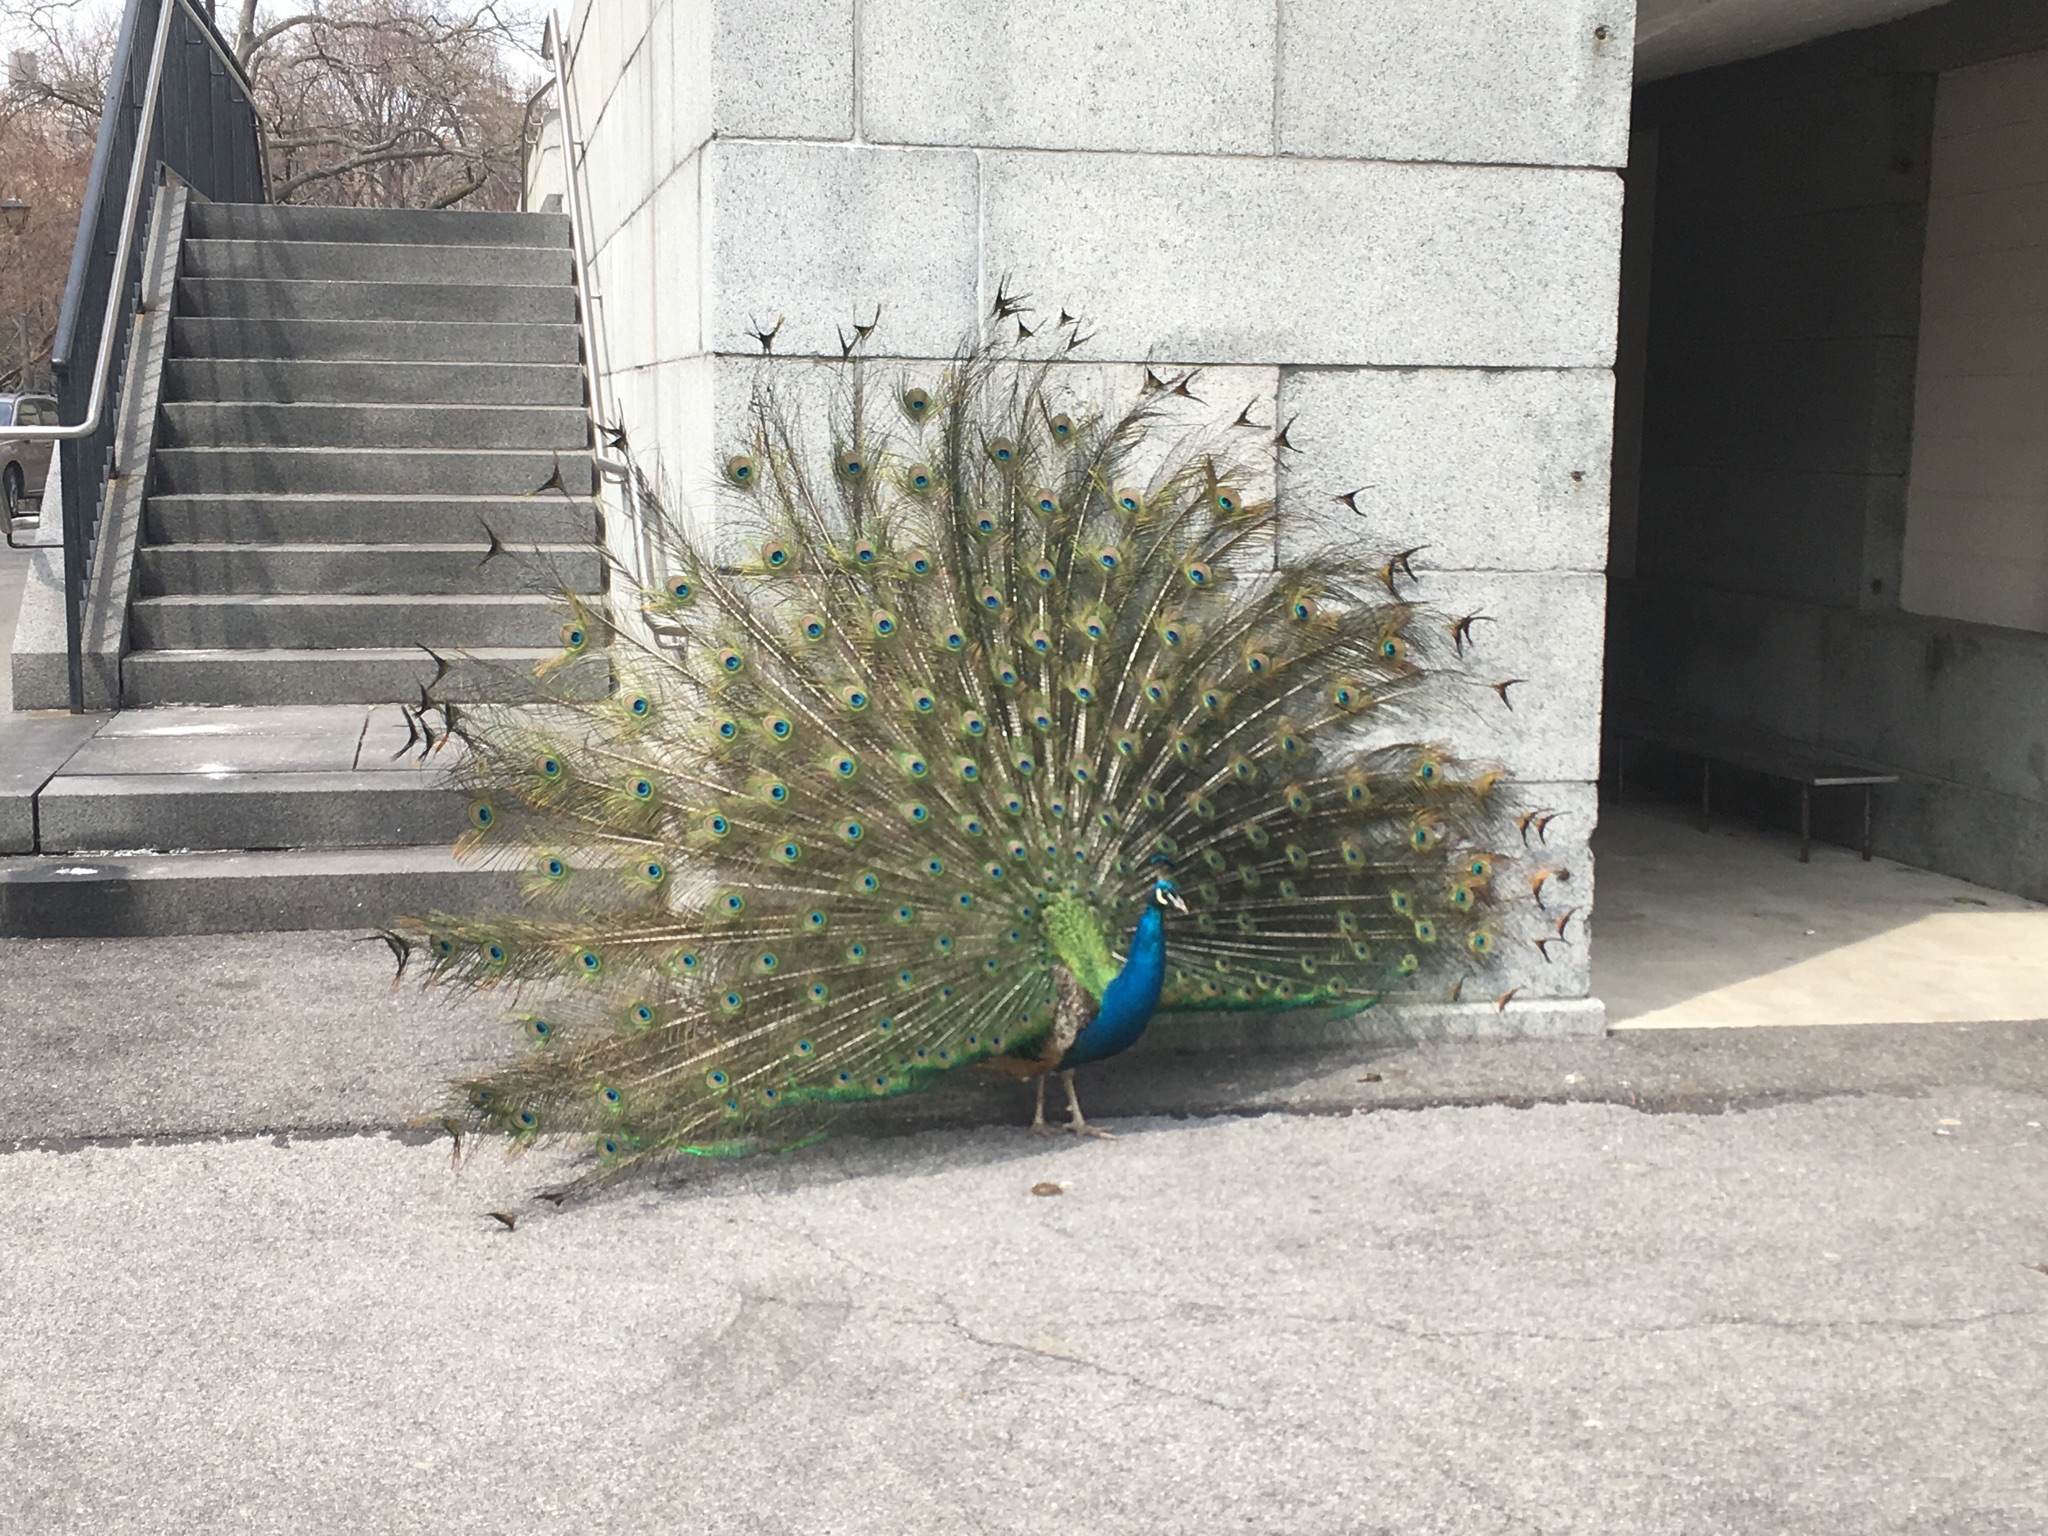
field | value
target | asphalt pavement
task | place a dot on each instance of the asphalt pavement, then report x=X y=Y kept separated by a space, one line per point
x=1780 y=1281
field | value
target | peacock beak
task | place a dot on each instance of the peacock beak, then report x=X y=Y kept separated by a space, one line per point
x=1175 y=901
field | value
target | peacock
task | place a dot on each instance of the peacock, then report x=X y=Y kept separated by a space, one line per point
x=966 y=723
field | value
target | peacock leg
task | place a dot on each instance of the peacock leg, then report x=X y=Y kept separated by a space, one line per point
x=1075 y=1123
x=1038 y=1125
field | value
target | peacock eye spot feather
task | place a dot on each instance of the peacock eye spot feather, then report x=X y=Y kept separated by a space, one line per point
x=934 y=867
x=854 y=699
x=641 y=789
x=495 y=953
x=717 y=826
x=552 y=868
x=541 y=1028
x=550 y=768
x=728 y=730
x=916 y=403
x=441 y=946
x=1130 y=501
x=1109 y=557
x=775 y=555
x=920 y=563
x=733 y=903
x=885 y=623
x=917 y=812
x=1041 y=642
x=1045 y=501
x=865 y=553
x=1199 y=574
x=920 y=478
x=1226 y=500
x=991 y=599
x=775 y=793
x=680 y=589
x=573 y=637
x=1062 y=426
x=717 y=1079
x=845 y=767
x=480 y=815
x=653 y=872
x=953 y=640
x=852 y=831
x=1044 y=572
x=739 y=469
x=1002 y=450
x=589 y=962
x=731 y=1002
x=731 y=662
x=984 y=524
x=868 y=882
x=853 y=464
x=856 y=951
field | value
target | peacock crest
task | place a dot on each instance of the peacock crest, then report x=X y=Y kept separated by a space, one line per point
x=906 y=735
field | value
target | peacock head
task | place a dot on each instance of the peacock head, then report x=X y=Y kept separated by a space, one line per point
x=1165 y=894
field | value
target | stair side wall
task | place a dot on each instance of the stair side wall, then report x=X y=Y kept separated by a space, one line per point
x=40 y=661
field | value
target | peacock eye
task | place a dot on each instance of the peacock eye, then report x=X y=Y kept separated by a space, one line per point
x=739 y=469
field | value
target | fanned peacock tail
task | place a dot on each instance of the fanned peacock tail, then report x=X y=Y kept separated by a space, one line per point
x=913 y=723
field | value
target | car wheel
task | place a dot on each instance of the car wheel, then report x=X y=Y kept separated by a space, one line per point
x=12 y=490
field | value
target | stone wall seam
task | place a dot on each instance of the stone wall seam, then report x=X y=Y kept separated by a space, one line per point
x=1580 y=167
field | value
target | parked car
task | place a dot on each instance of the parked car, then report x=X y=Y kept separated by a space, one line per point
x=24 y=464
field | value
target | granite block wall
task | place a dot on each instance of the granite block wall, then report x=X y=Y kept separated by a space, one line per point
x=1402 y=219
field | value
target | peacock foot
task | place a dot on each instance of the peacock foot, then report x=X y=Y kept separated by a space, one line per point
x=1083 y=1128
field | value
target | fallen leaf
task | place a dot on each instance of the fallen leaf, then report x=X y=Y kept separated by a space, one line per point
x=1047 y=1187
x=510 y=1221
x=2043 y=1268
x=1370 y=1077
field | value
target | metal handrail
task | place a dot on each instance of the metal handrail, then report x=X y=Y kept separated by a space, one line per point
x=554 y=42
x=200 y=121
x=131 y=216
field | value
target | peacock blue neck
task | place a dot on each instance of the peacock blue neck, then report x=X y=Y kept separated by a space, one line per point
x=1129 y=999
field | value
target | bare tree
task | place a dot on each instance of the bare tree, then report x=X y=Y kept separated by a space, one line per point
x=392 y=103
x=49 y=116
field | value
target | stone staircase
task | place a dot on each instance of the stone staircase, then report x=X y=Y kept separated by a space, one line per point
x=359 y=411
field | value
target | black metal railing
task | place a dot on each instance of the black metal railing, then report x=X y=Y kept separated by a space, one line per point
x=177 y=103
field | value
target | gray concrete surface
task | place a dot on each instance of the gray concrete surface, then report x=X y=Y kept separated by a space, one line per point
x=13 y=572
x=1666 y=1281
